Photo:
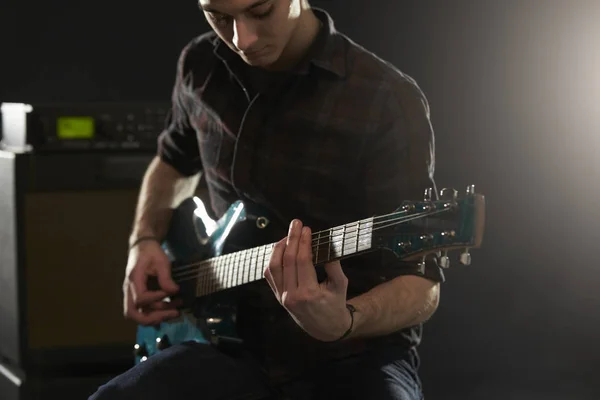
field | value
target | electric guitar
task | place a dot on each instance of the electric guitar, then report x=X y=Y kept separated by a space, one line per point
x=207 y=269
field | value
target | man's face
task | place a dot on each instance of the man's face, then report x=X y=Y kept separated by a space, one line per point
x=257 y=30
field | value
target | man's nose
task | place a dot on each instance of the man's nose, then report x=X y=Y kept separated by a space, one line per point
x=244 y=35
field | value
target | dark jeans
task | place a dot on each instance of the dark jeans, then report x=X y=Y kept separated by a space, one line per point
x=194 y=371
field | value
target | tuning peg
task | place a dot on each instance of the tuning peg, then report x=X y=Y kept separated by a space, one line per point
x=163 y=343
x=428 y=195
x=444 y=261
x=470 y=190
x=422 y=265
x=140 y=350
x=465 y=257
x=449 y=194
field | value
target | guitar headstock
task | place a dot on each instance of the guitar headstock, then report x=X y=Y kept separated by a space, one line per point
x=436 y=225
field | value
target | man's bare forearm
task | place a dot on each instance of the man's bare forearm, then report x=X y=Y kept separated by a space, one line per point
x=163 y=188
x=391 y=306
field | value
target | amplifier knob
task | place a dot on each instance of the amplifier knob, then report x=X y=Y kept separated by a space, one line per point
x=140 y=350
x=163 y=343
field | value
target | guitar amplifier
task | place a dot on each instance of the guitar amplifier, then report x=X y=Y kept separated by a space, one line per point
x=96 y=127
x=15 y=384
x=64 y=226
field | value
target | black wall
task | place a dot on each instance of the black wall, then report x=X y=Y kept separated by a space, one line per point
x=514 y=88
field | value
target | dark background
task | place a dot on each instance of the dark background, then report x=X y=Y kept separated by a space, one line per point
x=514 y=88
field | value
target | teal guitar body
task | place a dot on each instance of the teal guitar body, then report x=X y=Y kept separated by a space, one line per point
x=211 y=260
x=193 y=236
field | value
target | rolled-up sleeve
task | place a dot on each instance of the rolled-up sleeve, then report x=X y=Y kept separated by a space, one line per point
x=399 y=163
x=178 y=142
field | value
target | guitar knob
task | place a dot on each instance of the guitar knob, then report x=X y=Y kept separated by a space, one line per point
x=163 y=343
x=421 y=265
x=444 y=261
x=140 y=350
x=449 y=194
x=427 y=196
x=465 y=257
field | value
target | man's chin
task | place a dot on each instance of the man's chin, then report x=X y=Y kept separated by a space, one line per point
x=261 y=61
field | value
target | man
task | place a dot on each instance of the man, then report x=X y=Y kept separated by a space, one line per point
x=277 y=108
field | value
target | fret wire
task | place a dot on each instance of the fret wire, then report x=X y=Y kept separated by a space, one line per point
x=215 y=273
x=256 y=273
x=209 y=279
x=213 y=277
x=236 y=267
x=318 y=244
x=352 y=236
x=223 y=273
x=263 y=258
x=262 y=263
x=347 y=238
x=217 y=264
x=247 y=278
x=344 y=240
x=256 y=276
x=239 y=267
x=252 y=272
x=222 y=266
x=249 y=265
x=199 y=286
x=357 y=236
x=260 y=269
x=242 y=267
x=232 y=267
x=329 y=244
x=205 y=282
x=229 y=271
x=241 y=259
x=257 y=263
x=203 y=287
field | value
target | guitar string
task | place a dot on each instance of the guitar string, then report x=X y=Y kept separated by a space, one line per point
x=318 y=234
x=215 y=283
x=204 y=270
x=228 y=258
x=366 y=220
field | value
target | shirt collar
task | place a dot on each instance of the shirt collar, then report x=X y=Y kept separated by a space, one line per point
x=327 y=52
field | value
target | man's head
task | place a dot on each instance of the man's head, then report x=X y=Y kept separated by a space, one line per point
x=261 y=32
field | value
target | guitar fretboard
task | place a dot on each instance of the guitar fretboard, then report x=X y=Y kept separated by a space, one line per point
x=241 y=267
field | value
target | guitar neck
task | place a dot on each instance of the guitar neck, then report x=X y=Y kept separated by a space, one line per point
x=246 y=266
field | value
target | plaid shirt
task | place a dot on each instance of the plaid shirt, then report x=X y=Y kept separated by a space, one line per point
x=343 y=137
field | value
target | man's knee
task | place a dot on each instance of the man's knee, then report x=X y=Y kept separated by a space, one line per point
x=107 y=391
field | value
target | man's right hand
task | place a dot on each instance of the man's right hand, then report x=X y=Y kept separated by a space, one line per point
x=147 y=307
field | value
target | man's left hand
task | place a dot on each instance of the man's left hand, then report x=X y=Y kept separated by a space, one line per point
x=318 y=308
